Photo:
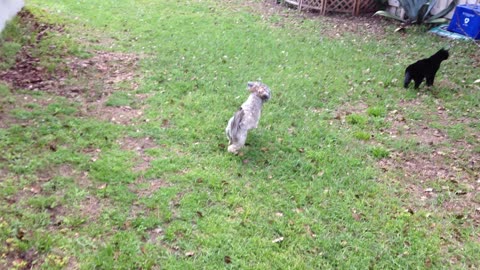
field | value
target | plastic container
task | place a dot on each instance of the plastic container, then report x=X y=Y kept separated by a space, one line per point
x=466 y=21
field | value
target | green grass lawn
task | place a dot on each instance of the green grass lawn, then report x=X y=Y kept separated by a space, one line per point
x=122 y=162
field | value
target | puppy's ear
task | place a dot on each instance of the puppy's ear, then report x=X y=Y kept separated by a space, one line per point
x=250 y=84
x=264 y=93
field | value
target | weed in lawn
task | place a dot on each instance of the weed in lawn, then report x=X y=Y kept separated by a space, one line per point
x=379 y=152
x=356 y=119
x=457 y=132
x=376 y=111
x=362 y=135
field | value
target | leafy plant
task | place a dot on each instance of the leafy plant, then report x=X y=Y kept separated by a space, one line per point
x=356 y=119
x=379 y=152
x=376 y=111
x=418 y=12
x=362 y=135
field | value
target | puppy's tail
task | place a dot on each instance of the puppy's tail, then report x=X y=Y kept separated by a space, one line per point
x=407 y=80
x=234 y=125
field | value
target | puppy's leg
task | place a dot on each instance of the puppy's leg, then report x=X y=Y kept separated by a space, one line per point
x=238 y=141
x=234 y=131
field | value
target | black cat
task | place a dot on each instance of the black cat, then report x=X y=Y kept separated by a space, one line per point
x=425 y=68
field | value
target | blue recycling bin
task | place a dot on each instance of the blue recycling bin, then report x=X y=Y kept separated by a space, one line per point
x=466 y=21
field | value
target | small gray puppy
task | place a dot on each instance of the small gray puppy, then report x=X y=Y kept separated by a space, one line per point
x=247 y=116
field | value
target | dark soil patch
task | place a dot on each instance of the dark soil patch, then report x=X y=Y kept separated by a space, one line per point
x=448 y=168
x=139 y=145
x=94 y=104
x=335 y=25
x=38 y=182
x=57 y=214
x=426 y=168
x=92 y=152
x=72 y=264
x=155 y=235
x=175 y=203
x=91 y=208
x=88 y=81
x=17 y=259
x=434 y=183
x=418 y=131
x=6 y=120
x=20 y=101
x=364 y=26
x=348 y=109
x=101 y=73
x=27 y=72
x=145 y=188
x=105 y=69
x=123 y=115
x=65 y=170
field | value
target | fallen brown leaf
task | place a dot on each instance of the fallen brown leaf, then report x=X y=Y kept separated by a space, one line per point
x=36 y=189
x=309 y=231
x=20 y=234
x=428 y=263
x=53 y=147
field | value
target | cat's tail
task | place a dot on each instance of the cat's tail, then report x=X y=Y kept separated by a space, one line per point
x=407 y=80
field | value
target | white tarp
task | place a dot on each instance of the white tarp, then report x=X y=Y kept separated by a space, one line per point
x=8 y=9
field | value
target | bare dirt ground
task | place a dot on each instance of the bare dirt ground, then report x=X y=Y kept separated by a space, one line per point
x=441 y=173
x=448 y=169
x=89 y=83
x=339 y=24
